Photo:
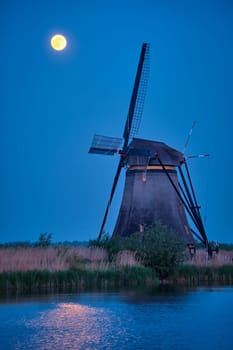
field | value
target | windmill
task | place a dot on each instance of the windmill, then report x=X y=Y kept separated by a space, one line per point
x=152 y=189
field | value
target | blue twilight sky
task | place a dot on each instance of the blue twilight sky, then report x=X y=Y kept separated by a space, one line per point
x=53 y=102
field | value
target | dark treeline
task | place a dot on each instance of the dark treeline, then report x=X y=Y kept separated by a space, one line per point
x=44 y=240
x=222 y=246
x=25 y=244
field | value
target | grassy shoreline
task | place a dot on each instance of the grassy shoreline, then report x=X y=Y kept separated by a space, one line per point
x=197 y=275
x=61 y=268
x=127 y=277
x=38 y=280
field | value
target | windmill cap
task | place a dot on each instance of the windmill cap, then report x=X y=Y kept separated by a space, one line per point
x=153 y=149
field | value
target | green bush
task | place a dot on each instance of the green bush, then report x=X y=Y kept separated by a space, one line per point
x=44 y=240
x=161 y=249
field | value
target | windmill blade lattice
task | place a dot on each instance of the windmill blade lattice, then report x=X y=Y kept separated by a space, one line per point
x=141 y=95
x=105 y=145
x=138 y=96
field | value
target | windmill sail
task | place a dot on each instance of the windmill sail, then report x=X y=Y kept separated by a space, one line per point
x=105 y=145
x=138 y=96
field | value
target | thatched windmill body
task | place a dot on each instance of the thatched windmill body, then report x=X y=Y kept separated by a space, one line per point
x=152 y=190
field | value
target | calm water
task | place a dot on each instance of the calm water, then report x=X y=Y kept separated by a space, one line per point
x=187 y=320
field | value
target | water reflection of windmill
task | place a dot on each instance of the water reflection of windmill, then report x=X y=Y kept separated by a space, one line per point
x=152 y=190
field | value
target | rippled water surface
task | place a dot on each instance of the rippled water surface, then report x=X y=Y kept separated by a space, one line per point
x=187 y=320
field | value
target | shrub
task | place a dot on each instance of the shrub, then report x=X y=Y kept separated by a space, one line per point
x=161 y=249
x=44 y=240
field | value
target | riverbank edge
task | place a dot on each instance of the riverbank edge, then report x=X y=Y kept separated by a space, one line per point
x=36 y=280
x=124 y=277
x=196 y=275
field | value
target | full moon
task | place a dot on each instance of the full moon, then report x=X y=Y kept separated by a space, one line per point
x=58 y=42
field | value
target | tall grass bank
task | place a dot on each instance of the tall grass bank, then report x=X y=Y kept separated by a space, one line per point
x=59 y=268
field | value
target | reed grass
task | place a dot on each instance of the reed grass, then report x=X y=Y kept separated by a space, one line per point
x=61 y=267
x=201 y=258
x=52 y=259
x=58 y=268
x=29 y=281
x=205 y=270
x=197 y=275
